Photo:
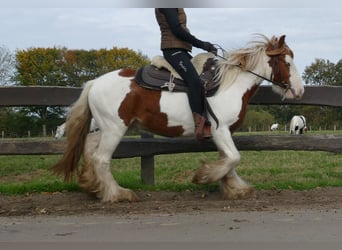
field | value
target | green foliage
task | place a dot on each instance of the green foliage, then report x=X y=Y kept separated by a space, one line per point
x=39 y=66
x=81 y=65
x=59 y=67
x=317 y=117
x=18 y=120
x=323 y=72
x=257 y=119
x=338 y=73
x=320 y=73
x=63 y=67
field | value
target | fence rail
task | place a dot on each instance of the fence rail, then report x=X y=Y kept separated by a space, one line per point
x=64 y=96
x=155 y=146
x=147 y=148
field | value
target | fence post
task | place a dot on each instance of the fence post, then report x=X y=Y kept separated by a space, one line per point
x=147 y=165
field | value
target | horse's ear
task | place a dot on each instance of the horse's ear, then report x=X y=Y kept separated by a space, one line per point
x=281 y=41
x=277 y=47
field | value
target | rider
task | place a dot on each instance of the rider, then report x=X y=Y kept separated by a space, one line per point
x=176 y=44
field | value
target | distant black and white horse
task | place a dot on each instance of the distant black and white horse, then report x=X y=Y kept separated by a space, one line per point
x=298 y=125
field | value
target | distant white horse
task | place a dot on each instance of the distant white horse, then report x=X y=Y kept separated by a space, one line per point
x=298 y=125
x=274 y=127
x=60 y=131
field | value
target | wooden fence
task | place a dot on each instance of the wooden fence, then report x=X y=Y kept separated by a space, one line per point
x=147 y=148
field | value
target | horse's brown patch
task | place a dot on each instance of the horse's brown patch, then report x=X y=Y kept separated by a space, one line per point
x=280 y=69
x=142 y=105
x=127 y=72
x=245 y=99
x=277 y=50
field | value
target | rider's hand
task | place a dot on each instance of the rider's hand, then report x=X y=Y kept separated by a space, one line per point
x=209 y=47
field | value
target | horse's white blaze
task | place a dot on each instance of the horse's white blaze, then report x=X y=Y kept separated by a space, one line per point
x=296 y=82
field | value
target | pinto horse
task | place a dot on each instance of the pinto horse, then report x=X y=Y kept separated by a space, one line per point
x=117 y=102
x=298 y=125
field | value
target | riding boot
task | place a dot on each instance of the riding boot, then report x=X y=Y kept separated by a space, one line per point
x=199 y=125
x=202 y=127
x=207 y=130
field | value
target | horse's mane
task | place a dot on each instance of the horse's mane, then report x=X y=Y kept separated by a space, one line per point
x=247 y=58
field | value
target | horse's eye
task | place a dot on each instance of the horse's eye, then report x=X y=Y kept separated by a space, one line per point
x=288 y=64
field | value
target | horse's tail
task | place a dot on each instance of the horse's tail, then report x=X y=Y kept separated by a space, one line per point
x=77 y=128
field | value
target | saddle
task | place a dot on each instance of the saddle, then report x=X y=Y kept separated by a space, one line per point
x=161 y=76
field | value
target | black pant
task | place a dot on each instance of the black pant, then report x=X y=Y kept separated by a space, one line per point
x=180 y=60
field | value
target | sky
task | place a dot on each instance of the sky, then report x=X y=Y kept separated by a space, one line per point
x=314 y=32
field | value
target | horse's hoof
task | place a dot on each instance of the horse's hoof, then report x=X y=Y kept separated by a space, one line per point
x=127 y=195
x=199 y=178
x=131 y=196
x=209 y=172
x=124 y=194
x=202 y=174
x=238 y=194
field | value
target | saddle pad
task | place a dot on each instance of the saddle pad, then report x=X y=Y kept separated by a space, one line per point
x=159 y=79
x=155 y=78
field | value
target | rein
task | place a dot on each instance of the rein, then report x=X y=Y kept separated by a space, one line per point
x=282 y=85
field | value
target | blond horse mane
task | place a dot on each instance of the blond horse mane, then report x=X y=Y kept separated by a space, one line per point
x=247 y=58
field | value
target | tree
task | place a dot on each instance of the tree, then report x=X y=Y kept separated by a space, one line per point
x=324 y=72
x=321 y=72
x=40 y=66
x=82 y=65
x=63 y=67
x=16 y=123
x=257 y=119
x=338 y=73
x=7 y=62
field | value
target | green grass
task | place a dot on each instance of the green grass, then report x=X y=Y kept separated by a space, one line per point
x=298 y=170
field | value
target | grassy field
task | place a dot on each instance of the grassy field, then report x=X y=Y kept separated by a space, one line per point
x=264 y=169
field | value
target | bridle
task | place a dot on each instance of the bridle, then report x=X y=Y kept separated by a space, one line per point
x=274 y=65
